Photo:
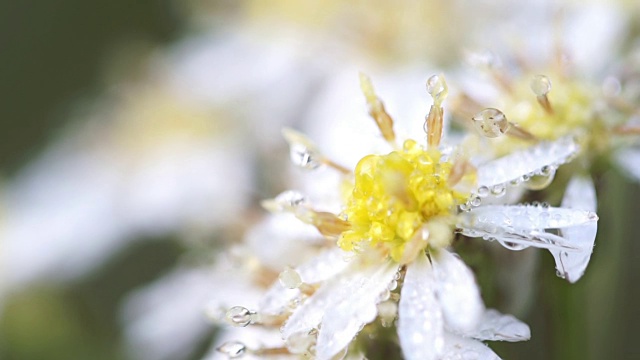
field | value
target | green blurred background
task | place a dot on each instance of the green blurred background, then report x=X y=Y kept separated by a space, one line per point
x=53 y=59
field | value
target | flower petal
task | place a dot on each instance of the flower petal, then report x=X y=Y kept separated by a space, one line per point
x=458 y=347
x=529 y=217
x=351 y=306
x=521 y=226
x=500 y=327
x=420 y=323
x=457 y=292
x=526 y=162
x=325 y=265
x=580 y=194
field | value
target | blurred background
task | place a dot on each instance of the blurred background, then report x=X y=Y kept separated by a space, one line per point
x=138 y=138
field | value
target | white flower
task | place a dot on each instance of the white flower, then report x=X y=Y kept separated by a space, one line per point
x=400 y=217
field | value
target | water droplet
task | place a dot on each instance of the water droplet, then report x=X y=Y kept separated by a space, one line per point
x=542 y=179
x=513 y=246
x=475 y=200
x=303 y=157
x=290 y=278
x=302 y=151
x=541 y=85
x=491 y=122
x=392 y=285
x=233 y=349
x=290 y=199
x=498 y=190
x=483 y=191
x=435 y=86
x=561 y=274
x=301 y=342
x=239 y=316
x=514 y=182
x=464 y=207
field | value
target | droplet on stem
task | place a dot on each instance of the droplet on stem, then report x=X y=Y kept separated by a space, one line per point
x=491 y=123
x=239 y=316
x=541 y=85
x=233 y=349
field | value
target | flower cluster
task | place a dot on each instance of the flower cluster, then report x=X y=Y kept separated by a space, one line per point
x=384 y=256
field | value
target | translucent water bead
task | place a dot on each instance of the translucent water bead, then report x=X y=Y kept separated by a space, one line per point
x=233 y=349
x=540 y=85
x=290 y=278
x=541 y=179
x=491 y=123
x=239 y=316
x=436 y=87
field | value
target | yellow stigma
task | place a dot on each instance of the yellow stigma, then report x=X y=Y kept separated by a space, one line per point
x=395 y=196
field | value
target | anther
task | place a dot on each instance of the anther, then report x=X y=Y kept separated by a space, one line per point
x=377 y=110
x=434 y=122
x=541 y=85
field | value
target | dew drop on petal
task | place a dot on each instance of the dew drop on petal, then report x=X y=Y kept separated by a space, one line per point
x=475 y=200
x=233 y=349
x=304 y=157
x=290 y=278
x=483 y=191
x=498 y=190
x=491 y=123
x=541 y=85
x=239 y=316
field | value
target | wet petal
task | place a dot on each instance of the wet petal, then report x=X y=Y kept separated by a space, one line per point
x=521 y=226
x=457 y=292
x=495 y=326
x=325 y=265
x=351 y=306
x=420 y=323
x=529 y=217
x=458 y=347
x=580 y=194
x=526 y=162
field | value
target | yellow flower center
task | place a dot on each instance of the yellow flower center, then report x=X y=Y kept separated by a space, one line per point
x=394 y=196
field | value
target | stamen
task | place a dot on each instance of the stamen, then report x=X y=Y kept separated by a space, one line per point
x=377 y=110
x=627 y=129
x=434 y=122
x=460 y=168
x=541 y=85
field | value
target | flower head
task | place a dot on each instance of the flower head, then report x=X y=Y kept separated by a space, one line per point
x=400 y=215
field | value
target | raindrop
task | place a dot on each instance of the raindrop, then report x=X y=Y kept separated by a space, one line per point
x=290 y=278
x=498 y=190
x=541 y=85
x=290 y=199
x=239 y=316
x=435 y=86
x=513 y=246
x=483 y=191
x=491 y=123
x=304 y=157
x=561 y=274
x=233 y=349
x=475 y=200
x=542 y=179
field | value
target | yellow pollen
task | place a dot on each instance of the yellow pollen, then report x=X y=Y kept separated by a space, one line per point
x=394 y=195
